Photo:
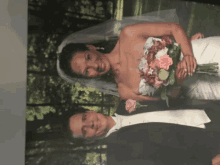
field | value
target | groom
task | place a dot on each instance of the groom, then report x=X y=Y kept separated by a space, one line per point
x=181 y=134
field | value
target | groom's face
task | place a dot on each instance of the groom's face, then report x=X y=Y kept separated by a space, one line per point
x=89 y=124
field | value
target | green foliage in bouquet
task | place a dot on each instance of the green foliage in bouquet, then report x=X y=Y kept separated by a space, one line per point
x=174 y=52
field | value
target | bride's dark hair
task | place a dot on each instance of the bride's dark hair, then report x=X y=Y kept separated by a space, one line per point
x=71 y=49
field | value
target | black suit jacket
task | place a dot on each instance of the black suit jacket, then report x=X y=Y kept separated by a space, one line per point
x=165 y=143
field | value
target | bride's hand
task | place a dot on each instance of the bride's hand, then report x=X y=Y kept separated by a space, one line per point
x=197 y=36
x=180 y=75
x=188 y=64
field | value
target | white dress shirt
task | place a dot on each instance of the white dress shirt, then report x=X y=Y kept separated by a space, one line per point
x=194 y=118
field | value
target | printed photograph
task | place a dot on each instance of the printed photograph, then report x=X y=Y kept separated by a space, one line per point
x=123 y=82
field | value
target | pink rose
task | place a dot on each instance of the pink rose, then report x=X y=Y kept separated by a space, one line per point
x=155 y=64
x=150 y=79
x=167 y=39
x=158 y=82
x=163 y=42
x=165 y=61
x=130 y=105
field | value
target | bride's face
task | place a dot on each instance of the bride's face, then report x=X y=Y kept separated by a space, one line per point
x=90 y=63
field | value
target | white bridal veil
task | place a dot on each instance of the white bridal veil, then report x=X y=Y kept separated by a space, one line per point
x=106 y=31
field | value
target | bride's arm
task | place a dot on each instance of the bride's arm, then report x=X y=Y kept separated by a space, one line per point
x=160 y=29
x=146 y=30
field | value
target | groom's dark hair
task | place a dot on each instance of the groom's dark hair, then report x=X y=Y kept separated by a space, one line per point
x=66 y=131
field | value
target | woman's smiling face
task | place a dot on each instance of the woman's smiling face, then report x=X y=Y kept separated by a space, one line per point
x=90 y=63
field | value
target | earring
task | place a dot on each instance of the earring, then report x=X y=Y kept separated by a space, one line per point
x=98 y=48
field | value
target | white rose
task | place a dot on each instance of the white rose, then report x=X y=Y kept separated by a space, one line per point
x=150 y=71
x=161 y=53
x=148 y=44
x=145 y=89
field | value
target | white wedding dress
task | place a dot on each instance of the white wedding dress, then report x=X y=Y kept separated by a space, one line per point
x=203 y=86
x=200 y=85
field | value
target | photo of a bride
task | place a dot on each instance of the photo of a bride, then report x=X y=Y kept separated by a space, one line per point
x=118 y=65
x=150 y=70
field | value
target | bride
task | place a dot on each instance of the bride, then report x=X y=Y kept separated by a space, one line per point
x=119 y=62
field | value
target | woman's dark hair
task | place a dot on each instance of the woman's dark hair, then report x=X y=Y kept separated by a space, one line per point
x=66 y=56
x=71 y=49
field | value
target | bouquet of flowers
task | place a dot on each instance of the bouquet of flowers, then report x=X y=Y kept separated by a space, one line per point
x=158 y=64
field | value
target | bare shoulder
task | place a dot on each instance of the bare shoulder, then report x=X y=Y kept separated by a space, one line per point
x=125 y=31
x=129 y=32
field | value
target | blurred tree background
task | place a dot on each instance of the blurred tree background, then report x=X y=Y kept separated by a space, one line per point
x=51 y=100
